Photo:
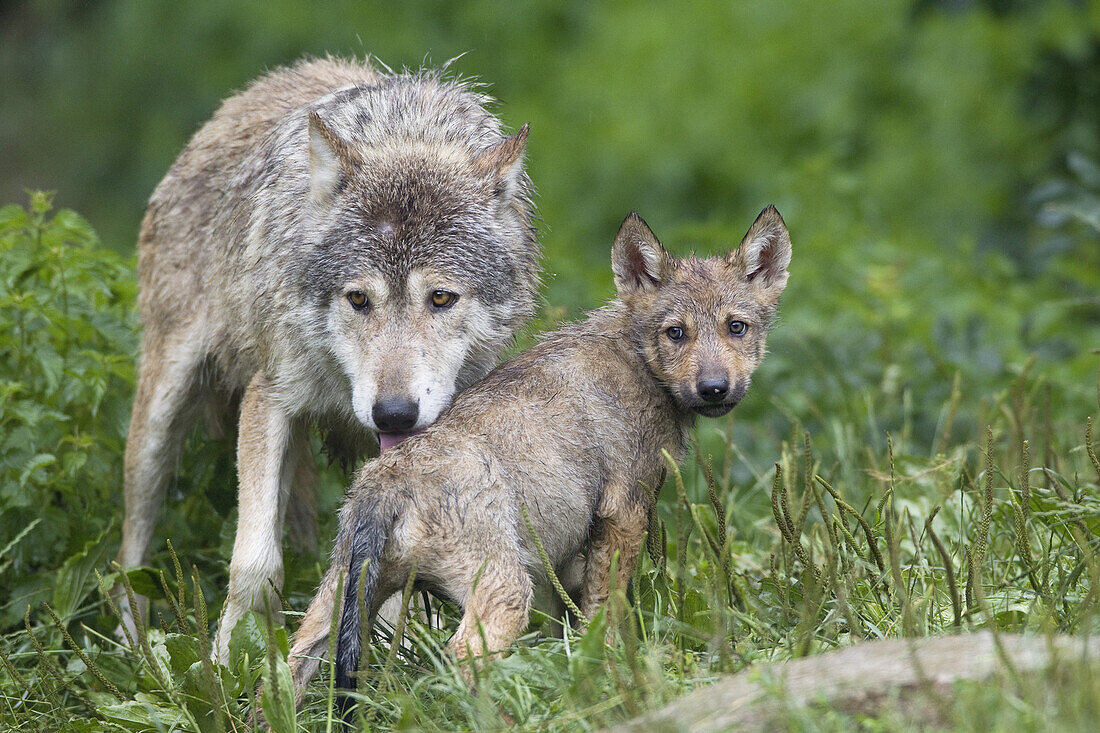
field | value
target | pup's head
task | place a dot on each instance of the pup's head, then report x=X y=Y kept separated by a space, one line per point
x=426 y=261
x=702 y=323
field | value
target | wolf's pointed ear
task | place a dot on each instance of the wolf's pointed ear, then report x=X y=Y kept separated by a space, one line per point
x=504 y=161
x=637 y=258
x=765 y=252
x=330 y=159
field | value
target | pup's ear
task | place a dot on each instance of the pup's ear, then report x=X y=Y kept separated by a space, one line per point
x=765 y=252
x=330 y=159
x=637 y=258
x=504 y=162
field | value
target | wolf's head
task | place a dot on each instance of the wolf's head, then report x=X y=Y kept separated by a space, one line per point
x=702 y=323
x=425 y=260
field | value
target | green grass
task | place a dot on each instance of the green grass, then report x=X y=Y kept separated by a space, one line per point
x=724 y=590
x=868 y=512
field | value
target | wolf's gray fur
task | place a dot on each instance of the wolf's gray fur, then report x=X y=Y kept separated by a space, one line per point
x=574 y=429
x=335 y=246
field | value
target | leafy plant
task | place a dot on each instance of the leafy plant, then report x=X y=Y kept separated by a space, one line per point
x=66 y=365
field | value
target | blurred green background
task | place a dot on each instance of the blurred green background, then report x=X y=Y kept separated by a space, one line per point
x=935 y=160
x=877 y=128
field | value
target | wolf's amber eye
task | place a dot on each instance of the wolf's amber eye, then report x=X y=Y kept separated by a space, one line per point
x=443 y=299
x=358 y=299
x=674 y=333
x=738 y=328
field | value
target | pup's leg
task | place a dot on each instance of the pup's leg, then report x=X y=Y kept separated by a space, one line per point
x=267 y=450
x=497 y=609
x=164 y=407
x=311 y=639
x=621 y=522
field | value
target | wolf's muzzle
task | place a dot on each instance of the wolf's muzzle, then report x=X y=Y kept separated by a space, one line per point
x=395 y=415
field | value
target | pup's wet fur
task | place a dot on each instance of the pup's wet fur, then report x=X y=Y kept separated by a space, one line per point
x=573 y=428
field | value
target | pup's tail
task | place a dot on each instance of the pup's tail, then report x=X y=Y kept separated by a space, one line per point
x=370 y=528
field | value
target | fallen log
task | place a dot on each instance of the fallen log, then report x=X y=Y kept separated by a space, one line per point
x=913 y=677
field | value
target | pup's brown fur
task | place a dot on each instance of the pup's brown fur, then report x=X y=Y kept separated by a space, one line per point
x=573 y=428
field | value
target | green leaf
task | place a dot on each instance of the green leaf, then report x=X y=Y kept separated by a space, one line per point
x=75 y=226
x=144 y=581
x=15 y=541
x=76 y=578
x=590 y=650
x=277 y=700
x=144 y=716
x=32 y=414
x=196 y=689
x=183 y=651
x=34 y=464
x=247 y=638
x=51 y=366
x=12 y=217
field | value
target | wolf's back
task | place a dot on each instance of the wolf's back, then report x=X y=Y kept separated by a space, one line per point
x=232 y=160
x=220 y=146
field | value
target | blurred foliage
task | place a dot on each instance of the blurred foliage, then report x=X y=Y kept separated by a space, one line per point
x=916 y=122
x=66 y=339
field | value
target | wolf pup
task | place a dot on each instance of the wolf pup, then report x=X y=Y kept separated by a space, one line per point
x=335 y=247
x=573 y=429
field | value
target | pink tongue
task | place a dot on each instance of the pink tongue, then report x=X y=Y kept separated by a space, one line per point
x=389 y=440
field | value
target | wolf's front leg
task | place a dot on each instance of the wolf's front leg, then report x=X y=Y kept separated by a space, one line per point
x=266 y=454
x=621 y=522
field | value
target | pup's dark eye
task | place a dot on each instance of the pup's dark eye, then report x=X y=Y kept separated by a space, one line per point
x=674 y=333
x=738 y=328
x=442 y=299
x=358 y=300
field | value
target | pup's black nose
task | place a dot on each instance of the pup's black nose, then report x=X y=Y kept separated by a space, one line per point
x=713 y=389
x=395 y=415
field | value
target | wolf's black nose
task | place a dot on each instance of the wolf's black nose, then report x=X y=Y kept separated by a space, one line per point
x=395 y=415
x=713 y=389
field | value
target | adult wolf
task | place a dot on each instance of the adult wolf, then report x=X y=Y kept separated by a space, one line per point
x=336 y=246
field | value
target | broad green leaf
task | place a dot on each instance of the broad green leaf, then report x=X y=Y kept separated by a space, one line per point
x=76 y=578
x=183 y=651
x=206 y=686
x=144 y=716
x=247 y=638
x=277 y=699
